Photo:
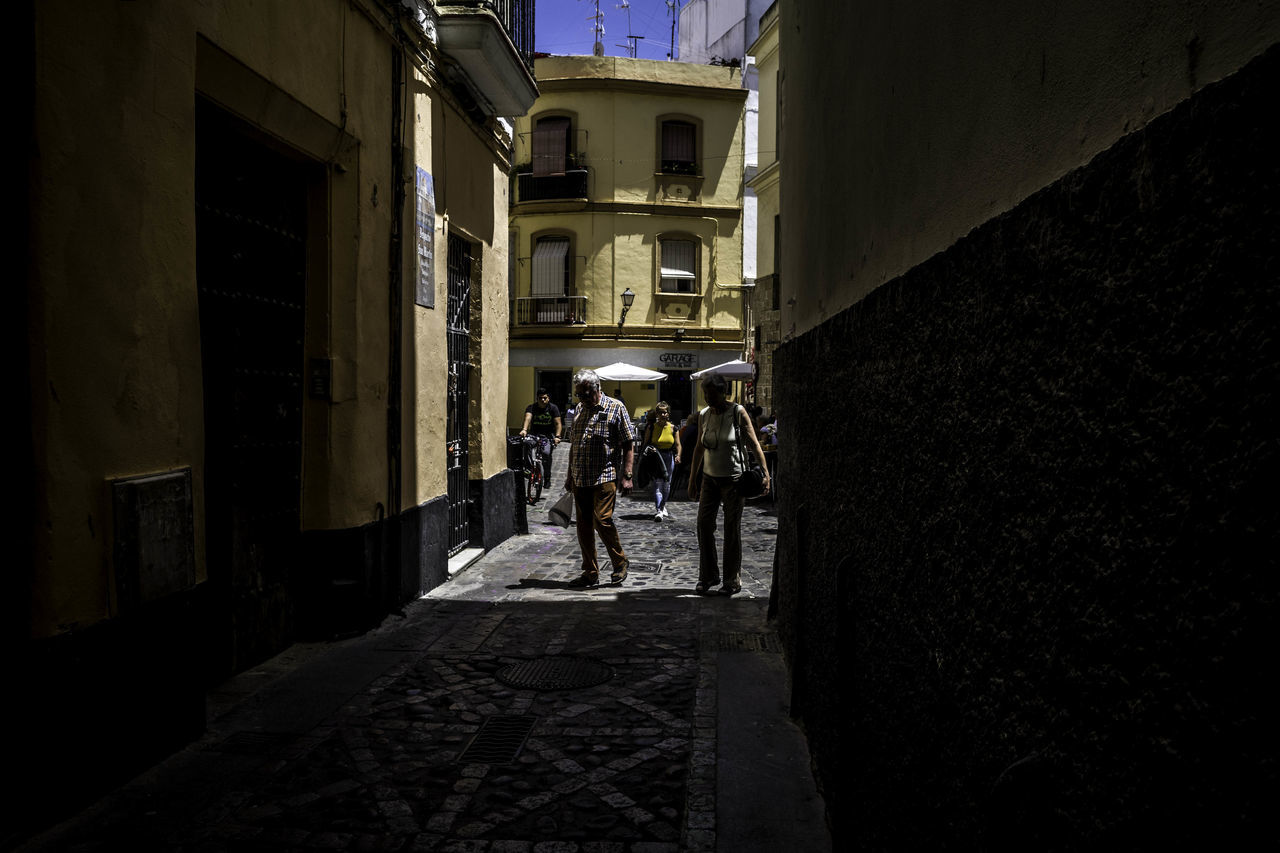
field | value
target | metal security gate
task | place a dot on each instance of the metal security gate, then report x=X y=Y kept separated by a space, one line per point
x=459 y=332
x=251 y=218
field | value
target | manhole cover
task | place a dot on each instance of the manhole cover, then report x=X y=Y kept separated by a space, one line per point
x=558 y=672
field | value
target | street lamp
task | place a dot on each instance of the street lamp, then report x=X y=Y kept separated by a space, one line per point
x=627 y=298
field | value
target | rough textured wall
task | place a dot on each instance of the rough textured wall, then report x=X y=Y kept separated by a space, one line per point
x=1035 y=607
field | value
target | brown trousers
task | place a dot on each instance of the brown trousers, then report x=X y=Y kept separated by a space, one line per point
x=594 y=505
x=714 y=492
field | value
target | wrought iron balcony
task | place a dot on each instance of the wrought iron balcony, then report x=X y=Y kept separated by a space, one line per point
x=572 y=184
x=479 y=35
x=516 y=17
x=549 y=310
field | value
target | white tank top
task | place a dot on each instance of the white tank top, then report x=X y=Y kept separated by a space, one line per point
x=720 y=456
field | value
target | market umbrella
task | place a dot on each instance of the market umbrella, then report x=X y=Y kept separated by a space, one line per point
x=620 y=371
x=736 y=369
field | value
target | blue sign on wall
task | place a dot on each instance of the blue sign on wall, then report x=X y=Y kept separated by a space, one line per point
x=425 y=220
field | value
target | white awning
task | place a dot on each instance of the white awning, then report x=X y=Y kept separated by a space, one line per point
x=620 y=371
x=549 y=258
x=736 y=369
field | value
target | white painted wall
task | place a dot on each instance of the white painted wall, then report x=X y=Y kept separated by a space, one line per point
x=719 y=28
x=724 y=29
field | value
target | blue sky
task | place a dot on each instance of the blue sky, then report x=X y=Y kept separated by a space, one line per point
x=565 y=27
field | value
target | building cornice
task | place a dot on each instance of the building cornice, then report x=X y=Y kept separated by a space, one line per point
x=547 y=208
x=767 y=177
x=655 y=87
x=602 y=333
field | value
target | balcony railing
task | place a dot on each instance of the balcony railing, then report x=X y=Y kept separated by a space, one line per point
x=572 y=184
x=549 y=310
x=516 y=17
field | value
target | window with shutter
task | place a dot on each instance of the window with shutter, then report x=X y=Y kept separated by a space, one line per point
x=679 y=148
x=679 y=267
x=551 y=146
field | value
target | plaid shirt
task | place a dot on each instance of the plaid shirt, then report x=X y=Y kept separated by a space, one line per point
x=600 y=434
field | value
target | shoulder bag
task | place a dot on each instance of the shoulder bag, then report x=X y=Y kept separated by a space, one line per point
x=695 y=464
x=751 y=481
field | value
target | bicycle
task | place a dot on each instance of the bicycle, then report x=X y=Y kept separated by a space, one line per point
x=532 y=449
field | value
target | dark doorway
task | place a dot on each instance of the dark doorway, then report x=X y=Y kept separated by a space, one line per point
x=557 y=383
x=457 y=404
x=677 y=389
x=251 y=239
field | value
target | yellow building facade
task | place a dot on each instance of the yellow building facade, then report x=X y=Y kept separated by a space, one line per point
x=264 y=327
x=766 y=299
x=626 y=189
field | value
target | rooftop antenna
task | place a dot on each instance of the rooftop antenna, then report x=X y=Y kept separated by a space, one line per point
x=673 y=7
x=631 y=39
x=598 y=48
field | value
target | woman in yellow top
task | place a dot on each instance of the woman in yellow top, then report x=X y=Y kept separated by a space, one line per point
x=666 y=440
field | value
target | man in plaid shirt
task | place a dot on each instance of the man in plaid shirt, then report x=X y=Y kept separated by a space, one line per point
x=600 y=454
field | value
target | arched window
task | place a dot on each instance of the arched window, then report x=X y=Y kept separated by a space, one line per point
x=679 y=147
x=679 y=260
x=551 y=300
x=552 y=145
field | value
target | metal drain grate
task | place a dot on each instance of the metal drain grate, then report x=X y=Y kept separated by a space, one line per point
x=737 y=641
x=254 y=743
x=499 y=740
x=557 y=672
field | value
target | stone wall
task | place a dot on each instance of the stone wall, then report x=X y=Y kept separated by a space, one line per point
x=1034 y=607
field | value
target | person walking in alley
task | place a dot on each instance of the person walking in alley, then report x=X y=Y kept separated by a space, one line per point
x=663 y=437
x=725 y=436
x=601 y=453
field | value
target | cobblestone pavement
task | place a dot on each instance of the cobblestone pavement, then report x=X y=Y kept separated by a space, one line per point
x=504 y=713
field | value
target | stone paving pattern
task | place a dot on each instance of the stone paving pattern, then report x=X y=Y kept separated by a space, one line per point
x=626 y=766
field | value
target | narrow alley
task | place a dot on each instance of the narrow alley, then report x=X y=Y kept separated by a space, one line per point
x=505 y=712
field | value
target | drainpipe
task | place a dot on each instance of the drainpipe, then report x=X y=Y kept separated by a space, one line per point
x=744 y=287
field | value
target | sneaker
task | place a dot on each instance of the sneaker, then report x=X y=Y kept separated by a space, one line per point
x=665 y=514
x=657 y=516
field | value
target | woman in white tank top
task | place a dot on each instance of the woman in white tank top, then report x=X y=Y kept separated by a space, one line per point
x=716 y=464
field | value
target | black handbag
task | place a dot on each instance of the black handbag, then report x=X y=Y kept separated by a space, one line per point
x=750 y=482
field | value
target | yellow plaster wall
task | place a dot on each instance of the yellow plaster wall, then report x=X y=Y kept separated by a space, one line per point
x=489 y=382
x=430 y=350
x=116 y=385
x=114 y=315
x=619 y=101
x=521 y=394
x=616 y=105
x=915 y=124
